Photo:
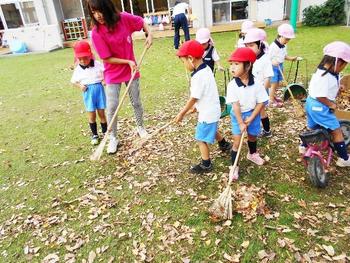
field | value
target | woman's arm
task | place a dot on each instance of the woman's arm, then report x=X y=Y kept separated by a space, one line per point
x=149 y=37
x=113 y=60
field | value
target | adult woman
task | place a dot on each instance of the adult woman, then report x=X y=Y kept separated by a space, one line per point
x=111 y=36
x=180 y=21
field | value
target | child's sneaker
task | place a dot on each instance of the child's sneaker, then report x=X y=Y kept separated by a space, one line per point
x=302 y=149
x=112 y=145
x=233 y=174
x=142 y=132
x=276 y=104
x=225 y=147
x=265 y=134
x=95 y=140
x=255 y=158
x=200 y=168
x=343 y=163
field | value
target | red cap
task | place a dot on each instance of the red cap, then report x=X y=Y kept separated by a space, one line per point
x=82 y=49
x=242 y=55
x=191 y=48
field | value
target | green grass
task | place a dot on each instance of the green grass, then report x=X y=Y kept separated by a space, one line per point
x=44 y=133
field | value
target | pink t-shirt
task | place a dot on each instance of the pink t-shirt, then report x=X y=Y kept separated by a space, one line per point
x=118 y=44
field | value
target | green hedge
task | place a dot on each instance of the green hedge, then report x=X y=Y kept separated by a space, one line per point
x=330 y=13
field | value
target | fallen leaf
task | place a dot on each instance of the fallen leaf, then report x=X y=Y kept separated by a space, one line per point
x=245 y=244
x=262 y=254
x=92 y=256
x=329 y=249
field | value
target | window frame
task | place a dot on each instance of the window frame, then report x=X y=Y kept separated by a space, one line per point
x=17 y=3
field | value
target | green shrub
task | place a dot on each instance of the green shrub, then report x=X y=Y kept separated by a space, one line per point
x=330 y=13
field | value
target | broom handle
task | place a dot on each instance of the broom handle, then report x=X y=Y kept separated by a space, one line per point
x=110 y=125
x=237 y=156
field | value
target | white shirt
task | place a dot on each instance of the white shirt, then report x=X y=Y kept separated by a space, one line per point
x=262 y=69
x=277 y=52
x=214 y=55
x=204 y=89
x=247 y=96
x=180 y=9
x=90 y=75
x=323 y=86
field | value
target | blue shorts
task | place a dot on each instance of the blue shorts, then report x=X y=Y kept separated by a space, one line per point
x=277 y=76
x=254 y=128
x=94 y=97
x=206 y=132
x=319 y=114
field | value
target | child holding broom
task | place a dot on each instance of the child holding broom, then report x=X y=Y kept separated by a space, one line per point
x=278 y=54
x=247 y=97
x=262 y=69
x=205 y=97
x=88 y=77
x=323 y=90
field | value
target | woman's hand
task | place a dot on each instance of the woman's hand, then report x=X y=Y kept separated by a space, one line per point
x=149 y=40
x=132 y=65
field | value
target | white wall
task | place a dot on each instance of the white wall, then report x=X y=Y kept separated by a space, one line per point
x=38 y=38
x=202 y=9
x=272 y=9
x=306 y=3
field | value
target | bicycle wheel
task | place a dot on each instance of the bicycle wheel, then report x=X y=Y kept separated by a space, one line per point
x=317 y=174
x=345 y=127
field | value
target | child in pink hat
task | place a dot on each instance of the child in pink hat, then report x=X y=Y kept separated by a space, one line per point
x=323 y=90
x=210 y=56
x=246 y=25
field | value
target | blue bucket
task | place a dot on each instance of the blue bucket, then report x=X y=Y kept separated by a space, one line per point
x=18 y=47
x=268 y=22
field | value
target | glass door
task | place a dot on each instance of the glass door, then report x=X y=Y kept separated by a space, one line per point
x=221 y=11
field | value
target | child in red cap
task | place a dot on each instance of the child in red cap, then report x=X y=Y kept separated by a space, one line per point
x=205 y=98
x=247 y=97
x=88 y=77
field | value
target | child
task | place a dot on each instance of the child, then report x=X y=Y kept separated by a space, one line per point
x=323 y=90
x=112 y=38
x=88 y=76
x=262 y=69
x=210 y=56
x=278 y=54
x=246 y=25
x=205 y=97
x=248 y=97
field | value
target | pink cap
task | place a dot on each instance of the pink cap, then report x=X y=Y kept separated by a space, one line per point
x=254 y=34
x=203 y=35
x=246 y=25
x=338 y=49
x=286 y=30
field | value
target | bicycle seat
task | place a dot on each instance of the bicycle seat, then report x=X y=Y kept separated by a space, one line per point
x=315 y=136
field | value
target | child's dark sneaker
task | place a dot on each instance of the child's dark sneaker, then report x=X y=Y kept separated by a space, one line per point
x=201 y=168
x=225 y=146
x=265 y=134
x=95 y=140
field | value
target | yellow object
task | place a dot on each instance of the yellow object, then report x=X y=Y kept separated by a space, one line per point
x=193 y=17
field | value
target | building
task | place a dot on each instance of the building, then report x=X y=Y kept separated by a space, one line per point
x=44 y=24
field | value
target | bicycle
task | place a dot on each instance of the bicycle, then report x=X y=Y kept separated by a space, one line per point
x=319 y=152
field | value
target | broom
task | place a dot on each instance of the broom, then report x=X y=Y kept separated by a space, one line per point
x=221 y=209
x=96 y=155
x=298 y=108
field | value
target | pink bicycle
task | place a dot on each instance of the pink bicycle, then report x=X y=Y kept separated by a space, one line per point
x=319 y=152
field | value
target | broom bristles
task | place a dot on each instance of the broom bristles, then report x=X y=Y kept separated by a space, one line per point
x=96 y=155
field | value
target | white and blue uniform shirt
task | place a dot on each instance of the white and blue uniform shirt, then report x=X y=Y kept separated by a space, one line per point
x=88 y=75
x=277 y=51
x=204 y=89
x=262 y=68
x=324 y=86
x=247 y=96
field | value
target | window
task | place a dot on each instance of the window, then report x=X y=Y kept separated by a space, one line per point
x=29 y=13
x=19 y=14
x=12 y=16
x=228 y=10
